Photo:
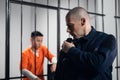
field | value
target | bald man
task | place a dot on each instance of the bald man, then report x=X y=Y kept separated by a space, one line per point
x=91 y=53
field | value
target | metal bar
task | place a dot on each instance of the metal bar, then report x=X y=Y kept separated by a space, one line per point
x=48 y=26
x=34 y=38
x=35 y=14
x=118 y=17
x=68 y=4
x=32 y=4
x=20 y=77
x=117 y=67
x=21 y=36
x=58 y=28
x=87 y=5
x=78 y=2
x=116 y=8
x=47 y=38
x=116 y=25
x=95 y=12
x=102 y=16
x=7 y=41
x=50 y=7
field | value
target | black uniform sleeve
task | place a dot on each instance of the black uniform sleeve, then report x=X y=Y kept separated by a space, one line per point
x=97 y=61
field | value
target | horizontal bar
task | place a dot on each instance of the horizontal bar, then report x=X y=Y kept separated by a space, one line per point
x=19 y=77
x=96 y=14
x=117 y=67
x=32 y=4
x=47 y=6
x=116 y=16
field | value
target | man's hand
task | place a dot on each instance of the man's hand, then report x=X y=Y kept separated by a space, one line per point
x=53 y=67
x=37 y=78
x=66 y=46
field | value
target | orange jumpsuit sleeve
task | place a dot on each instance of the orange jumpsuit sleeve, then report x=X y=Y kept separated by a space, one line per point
x=47 y=53
x=24 y=61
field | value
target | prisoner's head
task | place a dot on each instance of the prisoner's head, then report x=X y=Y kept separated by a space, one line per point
x=36 y=39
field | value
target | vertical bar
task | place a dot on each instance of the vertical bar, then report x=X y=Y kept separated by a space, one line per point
x=58 y=29
x=116 y=8
x=7 y=41
x=47 y=38
x=21 y=36
x=34 y=38
x=102 y=16
x=78 y=3
x=47 y=25
x=87 y=5
x=68 y=4
x=95 y=12
x=69 y=9
x=35 y=15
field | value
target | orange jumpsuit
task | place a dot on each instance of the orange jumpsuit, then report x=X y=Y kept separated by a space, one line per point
x=28 y=60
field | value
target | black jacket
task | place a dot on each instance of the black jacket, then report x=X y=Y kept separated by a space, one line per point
x=90 y=59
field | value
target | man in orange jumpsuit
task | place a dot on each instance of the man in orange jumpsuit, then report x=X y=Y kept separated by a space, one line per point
x=33 y=58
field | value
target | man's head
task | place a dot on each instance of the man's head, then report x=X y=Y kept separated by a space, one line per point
x=78 y=22
x=36 y=39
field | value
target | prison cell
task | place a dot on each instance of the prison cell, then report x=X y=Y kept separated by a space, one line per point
x=18 y=18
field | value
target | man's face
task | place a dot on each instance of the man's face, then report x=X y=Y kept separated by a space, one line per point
x=37 y=41
x=75 y=28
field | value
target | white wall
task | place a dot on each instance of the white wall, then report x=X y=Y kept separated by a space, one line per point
x=2 y=38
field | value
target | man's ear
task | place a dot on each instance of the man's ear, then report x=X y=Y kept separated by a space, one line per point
x=31 y=40
x=83 y=21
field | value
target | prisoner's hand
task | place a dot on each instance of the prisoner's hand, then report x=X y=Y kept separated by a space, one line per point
x=37 y=78
x=53 y=67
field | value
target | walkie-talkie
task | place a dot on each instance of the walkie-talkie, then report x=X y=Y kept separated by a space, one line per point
x=69 y=40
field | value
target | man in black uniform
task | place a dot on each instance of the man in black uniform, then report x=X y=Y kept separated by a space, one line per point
x=91 y=53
